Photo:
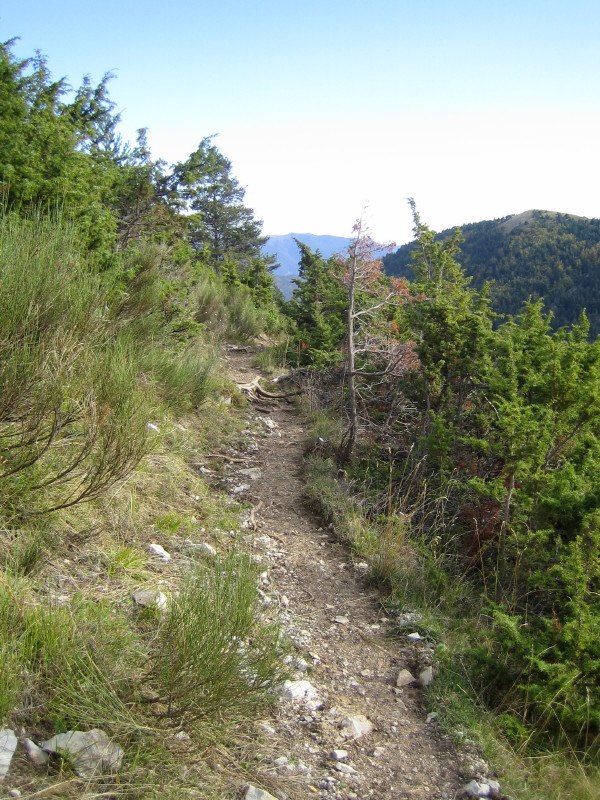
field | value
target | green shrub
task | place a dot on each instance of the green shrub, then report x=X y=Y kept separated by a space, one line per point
x=71 y=418
x=216 y=658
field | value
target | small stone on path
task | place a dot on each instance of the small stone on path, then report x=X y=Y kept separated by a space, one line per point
x=301 y=692
x=8 y=745
x=404 y=678
x=159 y=551
x=356 y=726
x=253 y=793
x=253 y=473
x=338 y=755
x=345 y=769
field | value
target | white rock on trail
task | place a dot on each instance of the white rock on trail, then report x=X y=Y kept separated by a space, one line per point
x=338 y=755
x=405 y=678
x=356 y=726
x=8 y=745
x=90 y=753
x=253 y=473
x=149 y=599
x=302 y=692
x=345 y=769
x=252 y=793
x=159 y=551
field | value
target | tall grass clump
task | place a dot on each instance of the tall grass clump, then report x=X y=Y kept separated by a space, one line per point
x=71 y=416
x=182 y=381
x=225 y=312
x=74 y=663
x=216 y=658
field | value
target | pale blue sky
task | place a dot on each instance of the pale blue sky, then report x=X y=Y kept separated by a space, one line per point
x=477 y=109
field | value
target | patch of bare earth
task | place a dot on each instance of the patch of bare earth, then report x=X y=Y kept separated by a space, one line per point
x=340 y=635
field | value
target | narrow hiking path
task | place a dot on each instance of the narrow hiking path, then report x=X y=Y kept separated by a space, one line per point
x=340 y=634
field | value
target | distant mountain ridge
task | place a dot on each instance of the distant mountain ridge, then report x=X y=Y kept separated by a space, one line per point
x=287 y=253
x=533 y=254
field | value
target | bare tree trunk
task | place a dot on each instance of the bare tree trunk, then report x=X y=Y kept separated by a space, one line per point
x=350 y=437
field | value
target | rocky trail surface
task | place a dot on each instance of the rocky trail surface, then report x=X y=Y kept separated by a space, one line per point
x=353 y=723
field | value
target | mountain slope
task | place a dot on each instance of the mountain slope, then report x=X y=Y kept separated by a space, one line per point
x=534 y=254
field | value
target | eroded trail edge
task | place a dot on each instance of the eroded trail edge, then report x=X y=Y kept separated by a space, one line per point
x=350 y=666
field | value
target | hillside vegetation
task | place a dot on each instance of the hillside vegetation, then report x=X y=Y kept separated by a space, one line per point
x=458 y=453
x=119 y=280
x=468 y=454
x=534 y=255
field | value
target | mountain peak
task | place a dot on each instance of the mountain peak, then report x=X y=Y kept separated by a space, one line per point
x=515 y=220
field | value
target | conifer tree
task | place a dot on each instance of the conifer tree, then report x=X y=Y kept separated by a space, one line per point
x=317 y=306
x=205 y=186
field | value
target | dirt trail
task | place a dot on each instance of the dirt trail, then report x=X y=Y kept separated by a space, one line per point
x=339 y=629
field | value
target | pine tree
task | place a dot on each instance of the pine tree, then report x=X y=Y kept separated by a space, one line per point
x=317 y=306
x=205 y=186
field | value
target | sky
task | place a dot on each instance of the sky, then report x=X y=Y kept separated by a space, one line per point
x=334 y=109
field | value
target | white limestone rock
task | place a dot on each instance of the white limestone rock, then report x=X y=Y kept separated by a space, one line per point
x=35 y=754
x=159 y=551
x=356 y=726
x=301 y=692
x=8 y=745
x=90 y=753
x=150 y=599
x=253 y=793
x=426 y=676
x=475 y=789
x=405 y=678
x=345 y=769
x=253 y=473
x=338 y=755
x=200 y=547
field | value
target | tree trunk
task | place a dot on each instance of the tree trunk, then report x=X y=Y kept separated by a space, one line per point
x=350 y=437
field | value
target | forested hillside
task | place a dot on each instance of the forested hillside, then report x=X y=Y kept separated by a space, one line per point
x=537 y=254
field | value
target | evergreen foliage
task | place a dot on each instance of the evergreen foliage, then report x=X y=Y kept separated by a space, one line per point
x=492 y=441
x=317 y=307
